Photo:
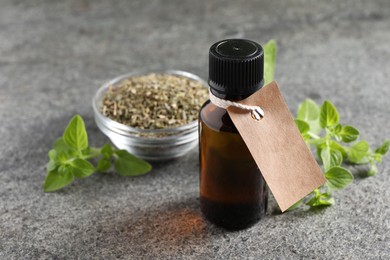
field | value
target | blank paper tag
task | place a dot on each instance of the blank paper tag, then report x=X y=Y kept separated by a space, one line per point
x=276 y=145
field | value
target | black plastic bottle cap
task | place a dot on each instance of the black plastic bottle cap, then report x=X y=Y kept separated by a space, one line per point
x=236 y=68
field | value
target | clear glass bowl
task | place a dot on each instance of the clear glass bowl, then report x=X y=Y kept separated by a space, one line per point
x=149 y=144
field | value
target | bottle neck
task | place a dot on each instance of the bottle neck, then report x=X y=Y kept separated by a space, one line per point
x=234 y=96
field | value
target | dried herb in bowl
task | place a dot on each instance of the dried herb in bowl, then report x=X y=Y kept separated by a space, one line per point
x=154 y=101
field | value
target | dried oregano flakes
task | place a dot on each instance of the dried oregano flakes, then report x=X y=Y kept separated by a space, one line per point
x=154 y=101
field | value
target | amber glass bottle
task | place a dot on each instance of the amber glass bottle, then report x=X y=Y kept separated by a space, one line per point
x=233 y=193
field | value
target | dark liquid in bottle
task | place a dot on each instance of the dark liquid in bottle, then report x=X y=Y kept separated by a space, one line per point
x=233 y=193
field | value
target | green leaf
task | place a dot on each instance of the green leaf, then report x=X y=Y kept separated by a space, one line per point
x=309 y=112
x=52 y=155
x=336 y=146
x=338 y=177
x=55 y=181
x=333 y=145
x=320 y=199
x=91 y=152
x=103 y=165
x=373 y=170
x=129 y=165
x=64 y=169
x=63 y=151
x=349 y=134
x=269 y=61
x=384 y=148
x=107 y=151
x=75 y=134
x=57 y=158
x=61 y=146
x=51 y=165
x=81 y=168
x=70 y=154
x=62 y=158
x=303 y=127
x=337 y=129
x=331 y=157
x=378 y=157
x=358 y=153
x=328 y=115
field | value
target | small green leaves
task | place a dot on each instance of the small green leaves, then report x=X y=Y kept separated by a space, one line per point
x=331 y=157
x=81 y=168
x=309 y=112
x=336 y=130
x=103 y=165
x=75 y=135
x=52 y=155
x=69 y=158
x=320 y=199
x=269 y=61
x=328 y=115
x=336 y=146
x=51 y=166
x=303 y=128
x=107 y=151
x=129 y=165
x=384 y=148
x=55 y=181
x=349 y=134
x=373 y=170
x=377 y=157
x=338 y=177
x=330 y=148
x=61 y=146
x=358 y=153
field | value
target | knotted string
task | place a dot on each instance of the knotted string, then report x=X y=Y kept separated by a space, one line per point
x=256 y=111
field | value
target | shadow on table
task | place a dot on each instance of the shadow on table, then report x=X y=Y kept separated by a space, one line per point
x=170 y=230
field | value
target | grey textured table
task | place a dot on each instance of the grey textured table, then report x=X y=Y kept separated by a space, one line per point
x=53 y=57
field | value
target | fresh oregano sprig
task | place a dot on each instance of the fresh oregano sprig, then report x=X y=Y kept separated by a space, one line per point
x=335 y=144
x=71 y=155
x=269 y=61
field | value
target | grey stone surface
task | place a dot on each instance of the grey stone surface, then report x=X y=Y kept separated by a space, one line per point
x=55 y=54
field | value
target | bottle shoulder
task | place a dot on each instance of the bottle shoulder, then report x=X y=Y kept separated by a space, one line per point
x=216 y=118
